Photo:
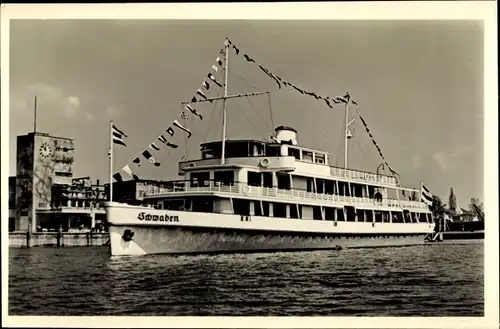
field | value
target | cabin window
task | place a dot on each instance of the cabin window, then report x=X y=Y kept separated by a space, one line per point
x=422 y=218
x=360 y=214
x=319 y=185
x=237 y=149
x=429 y=218
x=407 y=216
x=369 y=216
x=279 y=210
x=295 y=211
x=351 y=213
x=258 y=149
x=319 y=158
x=283 y=181
x=265 y=208
x=203 y=205
x=254 y=178
x=340 y=214
x=267 y=179
x=386 y=217
x=371 y=191
x=397 y=217
x=329 y=186
x=317 y=212
x=307 y=156
x=273 y=151
x=309 y=186
x=225 y=177
x=329 y=213
x=294 y=153
x=200 y=179
x=241 y=207
x=173 y=205
x=378 y=216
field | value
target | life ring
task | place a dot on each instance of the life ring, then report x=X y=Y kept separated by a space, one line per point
x=245 y=189
x=264 y=163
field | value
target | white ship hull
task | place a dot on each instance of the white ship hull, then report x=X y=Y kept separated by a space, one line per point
x=177 y=232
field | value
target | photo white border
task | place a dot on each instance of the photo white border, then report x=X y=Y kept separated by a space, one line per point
x=447 y=10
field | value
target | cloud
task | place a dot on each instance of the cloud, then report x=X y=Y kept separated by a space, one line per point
x=447 y=160
x=51 y=98
x=71 y=107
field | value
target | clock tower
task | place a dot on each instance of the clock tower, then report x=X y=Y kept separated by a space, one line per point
x=42 y=160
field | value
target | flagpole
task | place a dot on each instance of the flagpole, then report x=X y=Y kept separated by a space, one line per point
x=224 y=101
x=111 y=161
x=345 y=135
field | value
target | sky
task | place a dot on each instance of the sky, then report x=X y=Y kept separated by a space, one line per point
x=419 y=86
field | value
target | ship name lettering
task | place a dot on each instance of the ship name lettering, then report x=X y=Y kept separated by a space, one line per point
x=155 y=218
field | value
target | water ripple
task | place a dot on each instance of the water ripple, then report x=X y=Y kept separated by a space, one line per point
x=432 y=280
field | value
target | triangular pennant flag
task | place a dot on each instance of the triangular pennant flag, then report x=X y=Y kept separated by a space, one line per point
x=178 y=125
x=199 y=92
x=150 y=158
x=118 y=177
x=192 y=110
x=183 y=115
x=211 y=77
x=236 y=49
x=194 y=100
x=170 y=131
x=135 y=177
x=137 y=161
x=215 y=68
x=154 y=147
x=219 y=62
x=127 y=170
x=118 y=136
x=162 y=139
x=206 y=85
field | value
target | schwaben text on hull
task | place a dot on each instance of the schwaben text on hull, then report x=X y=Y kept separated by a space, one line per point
x=251 y=195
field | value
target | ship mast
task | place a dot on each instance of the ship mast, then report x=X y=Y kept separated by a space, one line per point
x=347 y=132
x=224 y=103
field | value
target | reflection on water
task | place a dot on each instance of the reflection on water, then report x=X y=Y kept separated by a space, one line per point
x=431 y=280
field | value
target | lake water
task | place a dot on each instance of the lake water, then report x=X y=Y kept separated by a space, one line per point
x=429 y=280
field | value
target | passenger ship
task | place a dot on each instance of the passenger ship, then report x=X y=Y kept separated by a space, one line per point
x=256 y=196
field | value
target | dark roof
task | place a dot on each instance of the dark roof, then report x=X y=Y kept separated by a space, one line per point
x=233 y=141
x=285 y=128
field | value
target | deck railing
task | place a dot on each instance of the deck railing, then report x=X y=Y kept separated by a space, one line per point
x=241 y=189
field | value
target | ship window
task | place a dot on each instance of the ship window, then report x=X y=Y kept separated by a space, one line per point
x=319 y=158
x=361 y=215
x=279 y=210
x=340 y=214
x=265 y=207
x=316 y=212
x=258 y=149
x=283 y=181
x=254 y=178
x=273 y=151
x=200 y=178
x=369 y=216
x=295 y=211
x=423 y=218
x=241 y=207
x=429 y=218
x=225 y=177
x=378 y=216
x=203 y=204
x=385 y=216
x=309 y=184
x=329 y=186
x=173 y=205
x=397 y=217
x=329 y=213
x=268 y=179
x=351 y=213
x=294 y=153
x=307 y=156
x=319 y=185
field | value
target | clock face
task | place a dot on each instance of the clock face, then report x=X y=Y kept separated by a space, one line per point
x=46 y=151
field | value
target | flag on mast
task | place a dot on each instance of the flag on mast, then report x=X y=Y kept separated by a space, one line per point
x=118 y=136
x=425 y=195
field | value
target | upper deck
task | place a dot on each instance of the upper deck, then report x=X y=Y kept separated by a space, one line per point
x=280 y=157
